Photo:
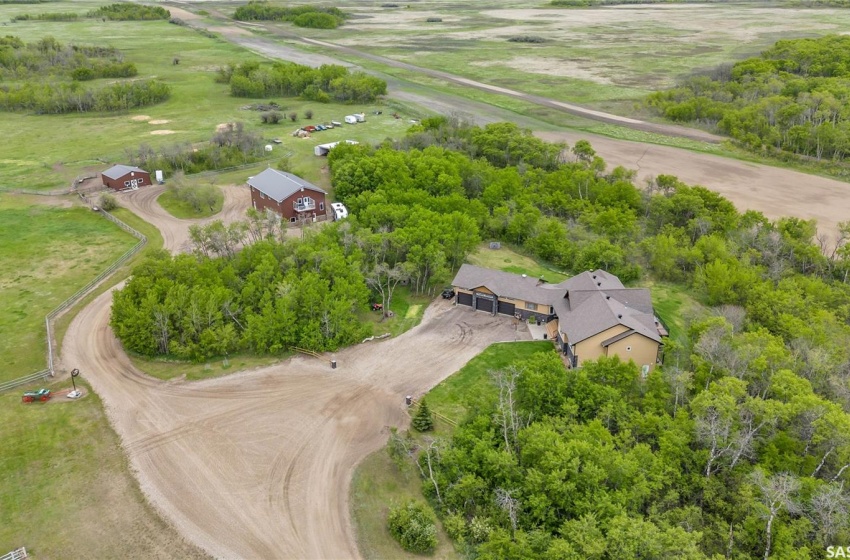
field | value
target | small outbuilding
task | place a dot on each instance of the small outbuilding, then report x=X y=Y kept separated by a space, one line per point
x=121 y=177
x=350 y=119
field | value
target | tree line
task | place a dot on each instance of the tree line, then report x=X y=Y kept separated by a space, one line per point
x=324 y=84
x=129 y=12
x=61 y=68
x=793 y=98
x=303 y=16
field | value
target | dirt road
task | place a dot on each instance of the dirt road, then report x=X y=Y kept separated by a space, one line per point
x=175 y=232
x=258 y=464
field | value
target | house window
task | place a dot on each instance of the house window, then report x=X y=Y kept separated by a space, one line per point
x=321 y=206
x=262 y=195
x=292 y=220
x=531 y=306
x=299 y=200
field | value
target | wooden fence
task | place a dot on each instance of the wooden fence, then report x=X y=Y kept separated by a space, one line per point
x=65 y=305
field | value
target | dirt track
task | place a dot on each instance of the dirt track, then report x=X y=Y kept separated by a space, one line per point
x=258 y=464
x=175 y=232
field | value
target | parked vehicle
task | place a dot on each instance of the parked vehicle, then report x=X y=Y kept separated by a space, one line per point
x=448 y=293
x=377 y=307
x=336 y=123
x=339 y=210
x=42 y=395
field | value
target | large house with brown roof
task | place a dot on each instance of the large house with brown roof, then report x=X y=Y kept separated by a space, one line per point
x=288 y=195
x=588 y=316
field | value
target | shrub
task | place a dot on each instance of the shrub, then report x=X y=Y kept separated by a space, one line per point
x=308 y=113
x=413 y=526
x=455 y=526
x=423 y=422
x=130 y=12
x=293 y=116
x=107 y=202
x=271 y=117
x=316 y=20
x=526 y=39
x=434 y=20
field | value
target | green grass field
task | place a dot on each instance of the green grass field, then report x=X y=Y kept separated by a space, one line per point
x=66 y=490
x=163 y=369
x=50 y=151
x=508 y=260
x=378 y=485
x=185 y=211
x=48 y=253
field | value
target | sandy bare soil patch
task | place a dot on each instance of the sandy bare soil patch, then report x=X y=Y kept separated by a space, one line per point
x=140 y=118
x=162 y=132
x=549 y=66
x=159 y=121
x=258 y=464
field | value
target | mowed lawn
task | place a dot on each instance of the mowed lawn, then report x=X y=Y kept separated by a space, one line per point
x=48 y=253
x=66 y=490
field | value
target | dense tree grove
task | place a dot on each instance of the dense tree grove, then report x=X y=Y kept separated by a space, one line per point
x=736 y=448
x=268 y=297
x=303 y=16
x=600 y=463
x=126 y=11
x=61 y=68
x=324 y=84
x=793 y=98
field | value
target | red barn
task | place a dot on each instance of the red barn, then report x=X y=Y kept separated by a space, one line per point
x=288 y=195
x=120 y=177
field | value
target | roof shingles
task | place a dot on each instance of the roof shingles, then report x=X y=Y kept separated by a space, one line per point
x=279 y=185
x=586 y=304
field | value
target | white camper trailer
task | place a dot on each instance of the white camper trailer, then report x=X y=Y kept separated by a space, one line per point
x=350 y=119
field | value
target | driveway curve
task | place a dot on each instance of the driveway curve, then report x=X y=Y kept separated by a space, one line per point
x=175 y=231
x=258 y=464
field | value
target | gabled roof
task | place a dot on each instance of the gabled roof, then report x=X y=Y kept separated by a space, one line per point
x=504 y=284
x=586 y=304
x=118 y=171
x=280 y=185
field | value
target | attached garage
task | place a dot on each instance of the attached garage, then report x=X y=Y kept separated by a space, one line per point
x=506 y=308
x=484 y=304
x=464 y=299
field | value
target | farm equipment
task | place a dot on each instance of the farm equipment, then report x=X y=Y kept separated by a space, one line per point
x=377 y=307
x=42 y=395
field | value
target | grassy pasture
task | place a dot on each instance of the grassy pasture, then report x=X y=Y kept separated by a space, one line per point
x=603 y=57
x=178 y=208
x=49 y=151
x=66 y=490
x=48 y=253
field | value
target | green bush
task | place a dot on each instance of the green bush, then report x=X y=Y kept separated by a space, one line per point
x=108 y=202
x=413 y=526
x=423 y=422
x=316 y=20
x=130 y=12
